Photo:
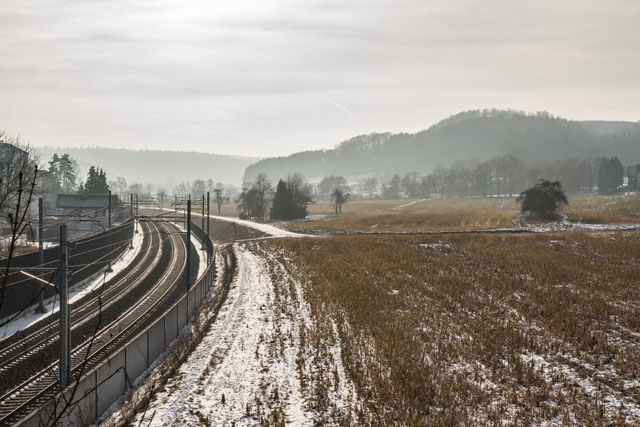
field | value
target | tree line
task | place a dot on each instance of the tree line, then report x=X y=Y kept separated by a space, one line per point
x=499 y=176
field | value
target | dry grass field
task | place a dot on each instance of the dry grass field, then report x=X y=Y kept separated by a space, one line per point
x=456 y=214
x=592 y=209
x=476 y=329
x=436 y=214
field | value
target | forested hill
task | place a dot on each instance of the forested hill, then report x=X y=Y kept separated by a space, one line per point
x=156 y=166
x=470 y=135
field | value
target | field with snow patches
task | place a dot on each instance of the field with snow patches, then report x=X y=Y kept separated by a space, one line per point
x=455 y=329
x=255 y=364
x=479 y=329
x=584 y=211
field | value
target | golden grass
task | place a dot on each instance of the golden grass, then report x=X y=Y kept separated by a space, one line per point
x=469 y=213
x=594 y=209
x=325 y=207
x=414 y=215
x=480 y=329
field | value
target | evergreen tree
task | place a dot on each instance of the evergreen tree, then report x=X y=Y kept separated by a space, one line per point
x=610 y=175
x=68 y=172
x=64 y=171
x=282 y=207
x=292 y=198
x=96 y=181
x=54 y=169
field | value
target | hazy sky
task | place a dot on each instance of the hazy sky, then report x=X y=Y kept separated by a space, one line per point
x=273 y=77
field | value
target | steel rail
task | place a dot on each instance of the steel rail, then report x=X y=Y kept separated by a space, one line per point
x=45 y=383
x=26 y=346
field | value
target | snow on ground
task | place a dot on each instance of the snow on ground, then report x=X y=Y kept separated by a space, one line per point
x=96 y=281
x=406 y=205
x=245 y=369
x=265 y=228
x=611 y=399
x=202 y=253
x=228 y=363
x=566 y=225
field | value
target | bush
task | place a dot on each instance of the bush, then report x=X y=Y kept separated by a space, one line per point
x=543 y=199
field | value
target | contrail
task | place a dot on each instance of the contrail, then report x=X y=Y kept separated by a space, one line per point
x=337 y=105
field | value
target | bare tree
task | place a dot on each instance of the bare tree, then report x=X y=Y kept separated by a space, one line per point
x=264 y=191
x=339 y=198
x=17 y=218
x=300 y=190
x=370 y=186
x=18 y=165
x=219 y=197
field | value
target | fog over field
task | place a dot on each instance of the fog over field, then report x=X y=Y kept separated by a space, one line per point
x=161 y=168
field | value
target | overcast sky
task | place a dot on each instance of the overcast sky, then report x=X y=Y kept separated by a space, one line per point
x=274 y=77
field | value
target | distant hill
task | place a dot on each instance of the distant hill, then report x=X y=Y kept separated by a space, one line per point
x=478 y=134
x=160 y=167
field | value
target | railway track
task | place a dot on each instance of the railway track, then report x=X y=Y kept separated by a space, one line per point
x=43 y=384
x=14 y=352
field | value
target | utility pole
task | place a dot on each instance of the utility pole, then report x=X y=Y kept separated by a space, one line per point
x=137 y=213
x=134 y=220
x=188 y=245
x=109 y=217
x=109 y=269
x=41 y=308
x=203 y=247
x=65 y=332
x=208 y=205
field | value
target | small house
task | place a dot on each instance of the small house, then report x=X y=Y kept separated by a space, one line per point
x=87 y=212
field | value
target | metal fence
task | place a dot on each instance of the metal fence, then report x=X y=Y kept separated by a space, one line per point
x=103 y=385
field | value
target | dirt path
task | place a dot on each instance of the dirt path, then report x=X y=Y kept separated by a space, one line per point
x=236 y=376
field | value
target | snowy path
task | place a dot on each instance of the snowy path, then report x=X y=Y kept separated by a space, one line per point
x=265 y=228
x=406 y=205
x=271 y=230
x=233 y=376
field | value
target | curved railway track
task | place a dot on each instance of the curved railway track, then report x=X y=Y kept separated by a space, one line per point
x=44 y=383
x=12 y=353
